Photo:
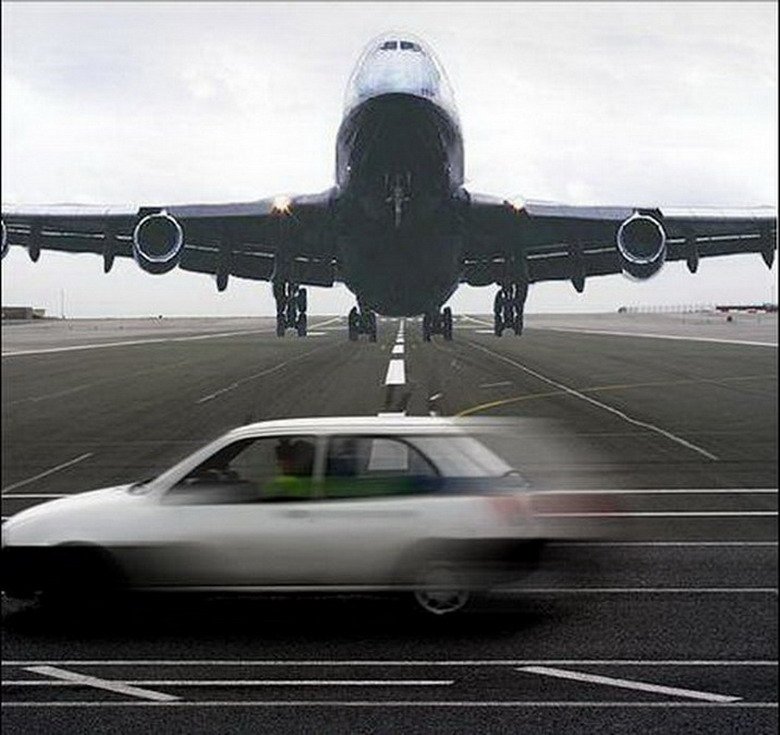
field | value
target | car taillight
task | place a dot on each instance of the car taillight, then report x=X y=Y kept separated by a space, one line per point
x=510 y=508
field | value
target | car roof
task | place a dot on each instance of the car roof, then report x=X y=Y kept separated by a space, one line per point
x=391 y=424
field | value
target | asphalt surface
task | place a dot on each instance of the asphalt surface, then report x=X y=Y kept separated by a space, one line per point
x=669 y=624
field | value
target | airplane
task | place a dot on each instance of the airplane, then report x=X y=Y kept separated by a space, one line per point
x=399 y=227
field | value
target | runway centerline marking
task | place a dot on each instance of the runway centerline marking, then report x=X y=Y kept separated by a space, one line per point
x=594 y=402
x=627 y=684
x=398 y=349
x=396 y=373
x=94 y=681
x=46 y=473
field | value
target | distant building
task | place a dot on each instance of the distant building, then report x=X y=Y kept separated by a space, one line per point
x=751 y=308
x=23 y=312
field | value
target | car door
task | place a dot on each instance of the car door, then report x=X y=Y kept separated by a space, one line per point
x=241 y=518
x=373 y=503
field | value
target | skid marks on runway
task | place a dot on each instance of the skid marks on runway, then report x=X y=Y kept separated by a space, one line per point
x=530 y=683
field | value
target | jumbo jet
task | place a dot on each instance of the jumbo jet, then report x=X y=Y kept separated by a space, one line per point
x=398 y=227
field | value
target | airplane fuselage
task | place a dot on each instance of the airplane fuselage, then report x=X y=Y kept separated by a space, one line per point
x=399 y=171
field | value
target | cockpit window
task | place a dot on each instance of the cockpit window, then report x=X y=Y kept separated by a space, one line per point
x=409 y=46
x=389 y=46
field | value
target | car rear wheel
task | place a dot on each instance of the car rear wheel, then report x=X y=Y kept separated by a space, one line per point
x=440 y=589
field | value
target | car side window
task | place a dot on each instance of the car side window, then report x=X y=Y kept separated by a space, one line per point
x=268 y=469
x=374 y=466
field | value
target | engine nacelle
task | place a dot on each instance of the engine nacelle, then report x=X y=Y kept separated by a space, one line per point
x=158 y=241
x=5 y=239
x=641 y=244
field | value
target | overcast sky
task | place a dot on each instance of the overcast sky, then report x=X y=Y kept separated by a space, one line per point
x=153 y=103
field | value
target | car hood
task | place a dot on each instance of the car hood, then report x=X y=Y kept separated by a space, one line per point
x=63 y=509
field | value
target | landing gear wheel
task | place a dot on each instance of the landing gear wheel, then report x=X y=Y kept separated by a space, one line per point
x=302 y=299
x=498 y=325
x=301 y=325
x=372 y=327
x=281 y=325
x=426 y=328
x=519 y=323
x=447 y=329
x=353 y=323
x=440 y=589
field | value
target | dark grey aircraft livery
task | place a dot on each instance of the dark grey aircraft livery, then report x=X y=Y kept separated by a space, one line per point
x=398 y=228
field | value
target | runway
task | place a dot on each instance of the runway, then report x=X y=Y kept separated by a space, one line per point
x=670 y=626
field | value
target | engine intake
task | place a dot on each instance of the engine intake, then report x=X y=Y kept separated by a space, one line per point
x=158 y=241
x=641 y=243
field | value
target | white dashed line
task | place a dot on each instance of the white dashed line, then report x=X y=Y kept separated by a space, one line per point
x=396 y=373
x=627 y=684
x=47 y=472
x=398 y=349
x=93 y=681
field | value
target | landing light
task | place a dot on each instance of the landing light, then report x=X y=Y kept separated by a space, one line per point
x=518 y=203
x=282 y=204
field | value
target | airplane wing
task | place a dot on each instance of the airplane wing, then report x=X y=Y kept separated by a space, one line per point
x=546 y=241
x=290 y=235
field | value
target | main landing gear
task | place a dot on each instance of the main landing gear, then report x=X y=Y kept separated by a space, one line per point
x=438 y=322
x=290 y=308
x=508 y=308
x=361 y=321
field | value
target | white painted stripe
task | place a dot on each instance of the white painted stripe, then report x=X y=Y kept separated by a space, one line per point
x=435 y=396
x=93 y=681
x=496 y=385
x=41 y=475
x=403 y=704
x=396 y=374
x=152 y=340
x=640 y=590
x=391 y=414
x=398 y=349
x=599 y=404
x=665 y=514
x=396 y=662
x=650 y=335
x=242 y=682
x=628 y=684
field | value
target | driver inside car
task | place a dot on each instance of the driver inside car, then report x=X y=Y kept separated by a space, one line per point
x=294 y=461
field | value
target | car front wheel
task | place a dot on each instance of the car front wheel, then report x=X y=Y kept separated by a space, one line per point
x=440 y=589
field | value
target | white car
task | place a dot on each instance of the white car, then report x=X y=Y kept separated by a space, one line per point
x=326 y=504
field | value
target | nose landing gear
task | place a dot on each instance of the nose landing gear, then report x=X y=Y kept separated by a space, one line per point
x=438 y=323
x=291 y=303
x=361 y=321
x=508 y=308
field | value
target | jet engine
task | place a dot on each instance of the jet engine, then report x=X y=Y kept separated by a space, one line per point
x=158 y=241
x=641 y=244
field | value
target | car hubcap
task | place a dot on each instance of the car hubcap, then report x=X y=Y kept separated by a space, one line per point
x=440 y=591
